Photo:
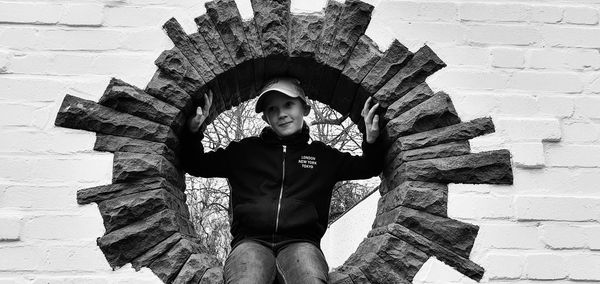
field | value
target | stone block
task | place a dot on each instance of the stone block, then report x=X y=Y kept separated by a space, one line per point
x=170 y=263
x=402 y=259
x=336 y=277
x=257 y=54
x=361 y=61
x=425 y=196
x=100 y=193
x=130 y=167
x=212 y=276
x=196 y=57
x=226 y=18
x=195 y=267
x=423 y=64
x=78 y=113
x=350 y=26
x=354 y=273
x=123 y=245
x=416 y=240
x=111 y=143
x=436 y=112
x=167 y=90
x=177 y=67
x=454 y=235
x=414 y=97
x=436 y=151
x=392 y=60
x=272 y=20
x=491 y=167
x=453 y=133
x=304 y=34
x=149 y=256
x=120 y=211
x=129 y=99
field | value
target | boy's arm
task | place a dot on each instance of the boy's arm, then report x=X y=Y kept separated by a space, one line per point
x=371 y=162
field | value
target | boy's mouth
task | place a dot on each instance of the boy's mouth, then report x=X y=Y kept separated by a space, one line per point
x=285 y=123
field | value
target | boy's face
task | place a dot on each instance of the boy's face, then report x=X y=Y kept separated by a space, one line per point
x=284 y=114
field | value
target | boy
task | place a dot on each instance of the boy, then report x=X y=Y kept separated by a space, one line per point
x=281 y=186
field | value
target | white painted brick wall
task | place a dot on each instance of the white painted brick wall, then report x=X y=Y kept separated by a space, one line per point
x=533 y=66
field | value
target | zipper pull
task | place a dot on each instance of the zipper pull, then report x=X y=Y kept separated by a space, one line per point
x=284 y=149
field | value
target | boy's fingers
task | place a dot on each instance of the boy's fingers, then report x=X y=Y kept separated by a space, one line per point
x=372 y=112
x=375 y=126
x=365 y=109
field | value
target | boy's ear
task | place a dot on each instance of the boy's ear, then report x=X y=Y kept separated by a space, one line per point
x=306 y=109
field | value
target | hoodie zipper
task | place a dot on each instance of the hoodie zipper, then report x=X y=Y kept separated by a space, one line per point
x=280 y=191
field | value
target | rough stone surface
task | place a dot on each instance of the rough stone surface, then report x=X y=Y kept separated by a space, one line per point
x=356 y=275
x=111 y=143
x=339 y=278
x=272 y=20
x=426 y=196
x=393 y=59
x=227 y=21
x=78 y=113
x=167 y=90
x=350 y=26
x=123 y=245
x=455 y=235
x=195 y=267
x=432 y=152
x=149 y=256
x=304 y=34
x=462 y=264
x=129 y=167
x=414 y=97
x=457 y=132
x=170 y=263
x=120 y=211
x=403 y=259
x=257 y=53
x=423 y=64
x=104 y=192
x=361 y=61
x=492 y=167
x=215 y=44
x=213 y=276
x=126 y=98
x=433 y=113
x=177 y=67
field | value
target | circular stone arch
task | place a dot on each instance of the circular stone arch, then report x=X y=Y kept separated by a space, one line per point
x=144 y=211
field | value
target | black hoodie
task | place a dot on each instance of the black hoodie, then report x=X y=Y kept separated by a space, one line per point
x=280 y=187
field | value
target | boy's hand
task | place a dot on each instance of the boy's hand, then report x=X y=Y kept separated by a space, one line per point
x=371 y=121
x=196 y=121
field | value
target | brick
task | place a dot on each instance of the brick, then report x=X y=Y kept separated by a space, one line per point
x=573 y=155
x=503 y=34
x=10 y=228
x=563 y=236
x=481 y=206
x=580 y=15
x=546 y=14
x=62 y=227
x=517 y=105
x=592 y=237
x=150 y=39
x=19 y=38
x=461 y=79
x=34 y=13
x=579 y=131
x=67 y=279
x=474 y=105
x=587 y=106
x=560 y=208
x=486 y=12
x=93 y=168
x=21 y=257
x=124 y=16
x=425 y=31
x=79 y=39
x=510 y=236
x=565 y=36
x=558 y=82
x=508 y=57
x=560 y=106
x=545 y=266
x=37 y=196
x=437 y=11
x=528 y=155
x=529 y=129
x=393 y=12
x=82 y=15
x=584 y=266
x=76 y=257
x=465 y=55
x=503 y=266
x=567 y=181
x=577 y=59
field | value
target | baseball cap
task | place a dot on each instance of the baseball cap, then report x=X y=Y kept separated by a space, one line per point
x=285 y=85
